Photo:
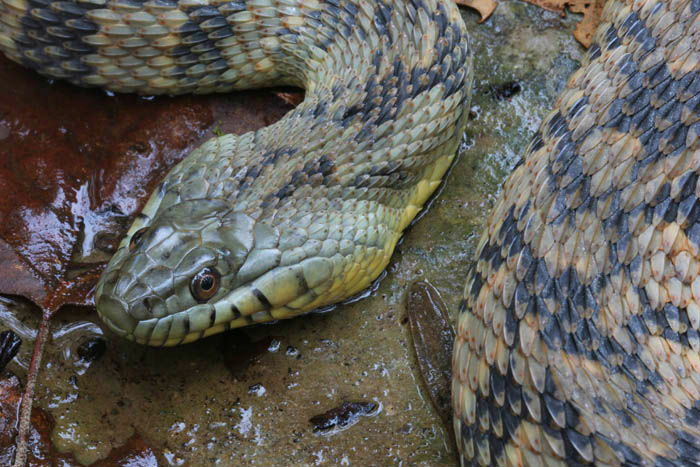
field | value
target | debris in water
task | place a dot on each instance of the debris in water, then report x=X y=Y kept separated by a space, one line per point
x=342 y=417
x=433 y=339
x=9 y=346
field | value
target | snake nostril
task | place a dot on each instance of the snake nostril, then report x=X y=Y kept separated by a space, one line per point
x=148 y=303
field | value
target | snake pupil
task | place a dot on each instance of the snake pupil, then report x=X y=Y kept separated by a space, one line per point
x=205 y=284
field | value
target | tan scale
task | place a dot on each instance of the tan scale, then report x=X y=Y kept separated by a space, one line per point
x=624 y=390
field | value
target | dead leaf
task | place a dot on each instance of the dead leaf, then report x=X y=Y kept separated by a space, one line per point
x=77 y=165
x=484 y=7
x=591 y=10
x=433 y=338
x=292 y=98
x=586 y=28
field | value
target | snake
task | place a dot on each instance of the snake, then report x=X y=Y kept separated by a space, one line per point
x=577 y=335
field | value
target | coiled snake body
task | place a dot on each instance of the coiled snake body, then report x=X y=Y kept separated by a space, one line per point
x=577 y=338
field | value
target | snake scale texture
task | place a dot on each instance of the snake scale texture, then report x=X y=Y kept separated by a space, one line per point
x=577 y=340
x=578 y=337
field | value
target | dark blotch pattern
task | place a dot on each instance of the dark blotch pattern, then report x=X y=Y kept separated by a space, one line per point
x=580 y=318
x=47 y=23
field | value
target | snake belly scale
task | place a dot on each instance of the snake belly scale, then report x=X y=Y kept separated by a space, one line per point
x=577 y=339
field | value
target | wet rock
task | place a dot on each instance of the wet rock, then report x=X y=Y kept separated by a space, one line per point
x=342 y=417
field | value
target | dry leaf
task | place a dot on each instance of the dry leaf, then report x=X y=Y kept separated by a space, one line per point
x=591 y=10
x=484 y=7
x=292 y=98
x=591 y=19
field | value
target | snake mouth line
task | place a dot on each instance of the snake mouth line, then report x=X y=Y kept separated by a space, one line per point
x=207 y=319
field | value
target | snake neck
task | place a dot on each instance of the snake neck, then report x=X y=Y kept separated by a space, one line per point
x=386 y=80
x=294 y=216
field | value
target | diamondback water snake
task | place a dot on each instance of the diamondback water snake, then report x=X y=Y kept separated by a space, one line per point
x=577 y=340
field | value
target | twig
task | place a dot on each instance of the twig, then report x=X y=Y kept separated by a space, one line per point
x=25 y=410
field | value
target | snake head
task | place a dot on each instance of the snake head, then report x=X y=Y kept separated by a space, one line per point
x=199 y=268
x=161 y=285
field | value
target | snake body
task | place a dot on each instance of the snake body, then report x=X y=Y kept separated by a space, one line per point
x=578 y=333
x=297 y=215
x=577 y=340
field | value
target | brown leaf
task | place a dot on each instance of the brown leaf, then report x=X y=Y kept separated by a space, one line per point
x=484 y=7
x=433 y=338
x=585 y=28
x=76 y=165
x=291 y=98
x=591 y=10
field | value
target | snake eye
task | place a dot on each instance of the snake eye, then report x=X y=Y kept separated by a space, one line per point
x=136 y=238
x=205 y=284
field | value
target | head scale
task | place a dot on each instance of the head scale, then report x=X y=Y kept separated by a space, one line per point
x=162 y=284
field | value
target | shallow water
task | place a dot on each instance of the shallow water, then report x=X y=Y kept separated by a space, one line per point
x=247 y=397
